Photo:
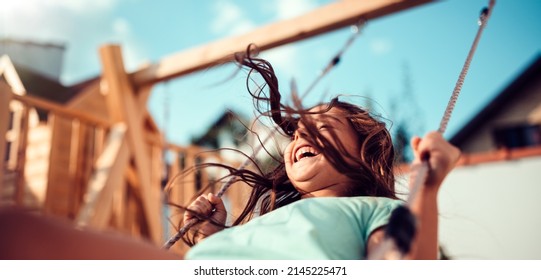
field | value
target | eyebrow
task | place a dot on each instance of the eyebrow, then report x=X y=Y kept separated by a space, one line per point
x=322 y=116
x=332 y=117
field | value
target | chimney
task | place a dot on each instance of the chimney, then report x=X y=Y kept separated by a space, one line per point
x=45 y=59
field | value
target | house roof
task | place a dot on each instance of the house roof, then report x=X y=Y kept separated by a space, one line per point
x=531 y=74
x=229 y=120
x=31 y=43
x=41 y=86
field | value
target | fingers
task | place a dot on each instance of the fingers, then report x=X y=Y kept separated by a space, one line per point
x=220 y=214
x=201 y=206
x=415 y=146
x=208 y=205
x=432 y=142
x=444 y=153
x=217 y=202
x=441 y=155
x=415 y=142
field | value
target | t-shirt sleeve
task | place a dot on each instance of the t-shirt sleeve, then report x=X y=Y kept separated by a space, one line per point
x=381 y=214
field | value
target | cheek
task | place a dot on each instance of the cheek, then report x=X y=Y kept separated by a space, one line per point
x=352 y=144
x=287 y=153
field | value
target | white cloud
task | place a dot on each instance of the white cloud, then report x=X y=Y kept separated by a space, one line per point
x=380 y=46
x=288 y=9
x=80 y=6
x=284 y=60
x=121 y=26
x=229 y=19
x=20 y=14
x=82 y=26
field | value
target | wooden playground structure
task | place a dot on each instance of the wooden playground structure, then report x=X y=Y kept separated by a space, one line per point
x=98 y=159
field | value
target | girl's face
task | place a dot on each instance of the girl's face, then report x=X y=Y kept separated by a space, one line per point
x=307 y=168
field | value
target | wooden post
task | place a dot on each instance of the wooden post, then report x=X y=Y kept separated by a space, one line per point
x=60 y=182
x=83 y=164
x=20 y=184
x=143 y=93
x=5 y=99
x=122 y=104
x=157 y=164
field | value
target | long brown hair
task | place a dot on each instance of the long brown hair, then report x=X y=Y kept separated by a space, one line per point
x=371 y=170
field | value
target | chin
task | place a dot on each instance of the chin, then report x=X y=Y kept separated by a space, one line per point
x=306 y=187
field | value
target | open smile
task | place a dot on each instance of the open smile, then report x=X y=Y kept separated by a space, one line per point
x=304 y=152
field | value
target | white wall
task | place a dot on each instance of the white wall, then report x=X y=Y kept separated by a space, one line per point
x=492 y=211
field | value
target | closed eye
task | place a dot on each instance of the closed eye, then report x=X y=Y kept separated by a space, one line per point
x=323 y=127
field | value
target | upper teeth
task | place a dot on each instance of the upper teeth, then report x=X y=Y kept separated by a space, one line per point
x=305 y=152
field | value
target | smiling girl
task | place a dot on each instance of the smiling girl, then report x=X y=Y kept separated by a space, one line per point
x=329 y=197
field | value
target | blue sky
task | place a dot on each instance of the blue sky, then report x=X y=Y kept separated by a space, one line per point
x=426 y=46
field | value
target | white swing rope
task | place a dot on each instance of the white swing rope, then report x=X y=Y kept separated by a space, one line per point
x=388 y=248
x=332 y=63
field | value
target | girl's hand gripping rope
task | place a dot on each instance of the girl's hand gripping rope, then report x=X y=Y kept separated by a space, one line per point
x=440 y=155
x=211 y=210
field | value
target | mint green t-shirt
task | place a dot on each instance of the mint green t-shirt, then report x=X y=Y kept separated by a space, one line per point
x=311 y=228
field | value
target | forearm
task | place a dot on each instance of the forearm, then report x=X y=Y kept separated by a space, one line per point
x=442 y=157
x=425 y=208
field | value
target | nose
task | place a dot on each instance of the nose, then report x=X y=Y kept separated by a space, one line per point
x=300 y=132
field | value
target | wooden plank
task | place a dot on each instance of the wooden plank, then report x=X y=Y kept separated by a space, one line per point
x=20 y=184
x=118 y=213
x=333 y=16
x=83 y=164
x=73 y=168
x=177 y=194
x=37 y=164
x=189 y=189
x=16 y=109
x=10 y=74
x=99 y=140
x=5 y=99
x=59 y=182
x=157 y=165
x=123 y=107
x=96 y=209
x=157 y=169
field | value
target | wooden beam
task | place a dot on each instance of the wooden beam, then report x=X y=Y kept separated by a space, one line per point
x=143 y=93
x=61 y=110
x=123 y=106
x=106 y=179
x=333 y=16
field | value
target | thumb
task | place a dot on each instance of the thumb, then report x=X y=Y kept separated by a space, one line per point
x=414 y=142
